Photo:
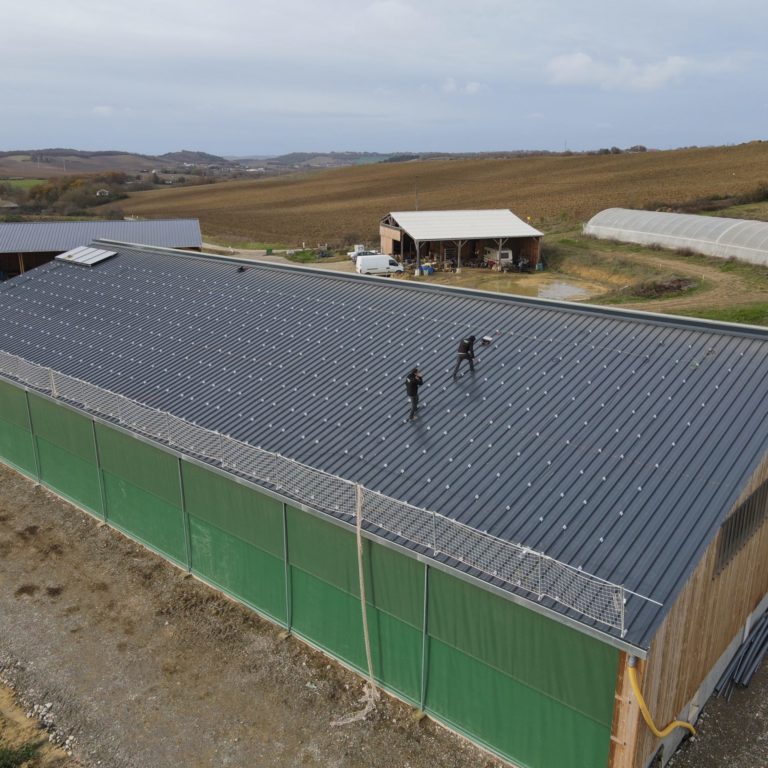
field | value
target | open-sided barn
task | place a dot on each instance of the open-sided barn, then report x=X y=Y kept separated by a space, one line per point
x=28 y=244
x=461 y=237
x=591 y=500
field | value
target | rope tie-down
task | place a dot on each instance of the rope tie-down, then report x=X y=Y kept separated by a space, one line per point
x=371 y=693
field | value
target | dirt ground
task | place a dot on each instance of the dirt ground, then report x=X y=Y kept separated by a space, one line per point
x=128 y=663
x=142 y=667
x=730 y=734
x=723 y=289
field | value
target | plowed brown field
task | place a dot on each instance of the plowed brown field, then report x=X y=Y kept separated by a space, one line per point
x=345 y=205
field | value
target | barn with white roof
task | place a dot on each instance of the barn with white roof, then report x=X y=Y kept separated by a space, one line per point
x=461 y=237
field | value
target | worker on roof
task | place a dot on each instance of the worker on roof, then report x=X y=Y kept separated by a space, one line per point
x=466 y=352
x=412 y=383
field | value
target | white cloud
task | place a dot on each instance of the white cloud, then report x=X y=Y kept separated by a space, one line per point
x=471 y=88
x=626 y=74
x=382 y=72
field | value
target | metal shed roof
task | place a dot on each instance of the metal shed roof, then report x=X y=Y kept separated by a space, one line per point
x=711 y=235
x=50 y=236
x=612 y=441
x=463 y=225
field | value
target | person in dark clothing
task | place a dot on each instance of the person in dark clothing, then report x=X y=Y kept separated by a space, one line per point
x=412 y=383
x=466 y=352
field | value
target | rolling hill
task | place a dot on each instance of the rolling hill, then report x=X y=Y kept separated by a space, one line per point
x=345 y=204
x=46 y=163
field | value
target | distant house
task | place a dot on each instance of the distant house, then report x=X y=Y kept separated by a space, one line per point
x=460 y=237
x=8 y=204
x=102 y=193
x=24 y=245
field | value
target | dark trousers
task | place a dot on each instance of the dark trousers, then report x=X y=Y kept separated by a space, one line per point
x=414 y=406
x=459 y=358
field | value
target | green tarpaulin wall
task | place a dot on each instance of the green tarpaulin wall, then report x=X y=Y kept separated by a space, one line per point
x=531 y=689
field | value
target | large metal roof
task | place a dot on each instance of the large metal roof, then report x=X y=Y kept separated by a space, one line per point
x=463 y=225
x=609 y=440
x=711 y=235
x=51 y=236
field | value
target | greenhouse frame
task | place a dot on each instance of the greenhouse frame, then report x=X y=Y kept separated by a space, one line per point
x=496 y=564
x=717 y=236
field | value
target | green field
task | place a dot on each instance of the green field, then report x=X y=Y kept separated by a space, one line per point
x=22 y=183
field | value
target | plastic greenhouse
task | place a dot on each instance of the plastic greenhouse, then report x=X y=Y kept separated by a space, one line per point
x=710 y=235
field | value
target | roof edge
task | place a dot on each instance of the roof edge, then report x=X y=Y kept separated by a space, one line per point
x=713 y=326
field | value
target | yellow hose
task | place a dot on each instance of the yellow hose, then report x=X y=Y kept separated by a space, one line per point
x=644 y=708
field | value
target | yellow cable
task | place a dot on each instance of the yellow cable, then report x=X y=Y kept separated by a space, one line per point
x=647 y=715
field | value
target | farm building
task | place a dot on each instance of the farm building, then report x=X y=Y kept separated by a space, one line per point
x=461 y=237
x=583 y=514
x=710 y=235
x=28 y=244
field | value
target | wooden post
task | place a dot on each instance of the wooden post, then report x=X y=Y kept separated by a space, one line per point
x=626 y=719
x=459 y=245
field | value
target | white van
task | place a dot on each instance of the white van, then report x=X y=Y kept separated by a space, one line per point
x=377 y=264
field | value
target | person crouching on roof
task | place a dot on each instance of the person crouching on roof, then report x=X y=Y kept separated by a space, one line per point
x=466 y=352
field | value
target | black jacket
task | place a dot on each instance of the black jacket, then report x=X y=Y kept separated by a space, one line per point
x=412 y=384
x=467 y=347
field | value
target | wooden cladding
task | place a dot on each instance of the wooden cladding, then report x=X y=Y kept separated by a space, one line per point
x=741 y=525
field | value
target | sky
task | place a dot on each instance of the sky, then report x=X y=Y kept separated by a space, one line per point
x=266 y=77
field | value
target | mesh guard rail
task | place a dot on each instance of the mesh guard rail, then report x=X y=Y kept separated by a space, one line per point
x=512 y=564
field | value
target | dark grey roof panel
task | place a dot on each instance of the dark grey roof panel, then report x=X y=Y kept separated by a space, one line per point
x=50 y=236
x=609 y=440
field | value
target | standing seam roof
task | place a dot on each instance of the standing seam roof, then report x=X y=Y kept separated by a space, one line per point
x=50 y=236
x=612 y=441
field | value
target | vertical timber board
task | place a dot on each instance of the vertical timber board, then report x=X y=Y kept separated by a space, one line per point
x=16 y=441
x=142 y=493
x=236 y=539
x=626 y=719
x=703 y=620
x=510 y=678
x=66 y=452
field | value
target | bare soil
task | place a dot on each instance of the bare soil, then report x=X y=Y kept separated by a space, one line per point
x=714 y=288
x=144 y=667
x=129 y=663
